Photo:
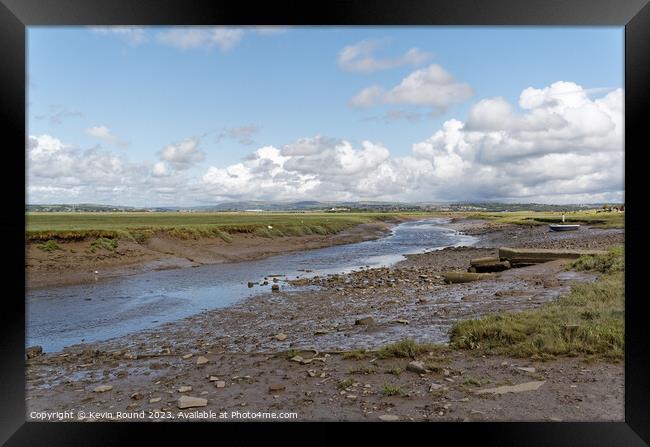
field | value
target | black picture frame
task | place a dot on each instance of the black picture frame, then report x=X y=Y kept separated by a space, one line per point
x=16 y=15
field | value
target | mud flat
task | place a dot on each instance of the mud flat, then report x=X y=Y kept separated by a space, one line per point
x=318 y=351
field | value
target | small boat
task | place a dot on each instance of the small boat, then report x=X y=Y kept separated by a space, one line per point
x=562 y=227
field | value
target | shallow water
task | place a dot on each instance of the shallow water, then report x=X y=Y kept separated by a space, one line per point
x=62 y=316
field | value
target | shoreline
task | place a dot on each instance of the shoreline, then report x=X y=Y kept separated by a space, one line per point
x=245 y=346
x=76 y=265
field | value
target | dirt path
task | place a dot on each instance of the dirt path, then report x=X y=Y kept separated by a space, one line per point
x=246 y=347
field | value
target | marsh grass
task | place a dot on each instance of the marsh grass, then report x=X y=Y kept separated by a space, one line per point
x=363 y=370
x=391 y=390
x=406 y=348
x=587 y=217
x=357 y=354
x=49 y=246
x=103 y=243
x=139 y=227
x=587 y=321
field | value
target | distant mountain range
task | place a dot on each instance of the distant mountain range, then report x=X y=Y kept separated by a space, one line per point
x=312 y=205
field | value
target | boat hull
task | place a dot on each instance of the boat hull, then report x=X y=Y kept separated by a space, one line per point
x=557 y=227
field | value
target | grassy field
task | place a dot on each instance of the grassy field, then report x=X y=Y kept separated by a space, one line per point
x=140 y=226
x=588 y=217
x=587 y=321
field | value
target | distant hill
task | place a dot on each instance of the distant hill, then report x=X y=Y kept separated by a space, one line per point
x=313 y=205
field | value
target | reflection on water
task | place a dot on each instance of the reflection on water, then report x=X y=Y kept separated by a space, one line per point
x=61 y=316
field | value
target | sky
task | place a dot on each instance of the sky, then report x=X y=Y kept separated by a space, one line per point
x=184 y=116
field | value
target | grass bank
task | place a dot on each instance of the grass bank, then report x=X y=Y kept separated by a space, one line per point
x=594 y=218
x=587 y=321
x=141 y=226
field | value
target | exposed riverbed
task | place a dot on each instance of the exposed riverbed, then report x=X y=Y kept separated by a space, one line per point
x=62 y=316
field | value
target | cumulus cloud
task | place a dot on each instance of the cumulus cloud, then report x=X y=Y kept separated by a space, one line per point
x=361 y=58
x=432 y=87
x=182 y=155
x=104 y=133
x=557 y=145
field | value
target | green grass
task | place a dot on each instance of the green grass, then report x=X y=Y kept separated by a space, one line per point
x=366 y=369
x=396 y=371
x=587 y=217
x=391 y=390
x=140 y=226
x=346 y=383
x=103 y=243
x=406 y=348
x=613 y=262
x=587 y=321
x=357 y=354
x=49 y=246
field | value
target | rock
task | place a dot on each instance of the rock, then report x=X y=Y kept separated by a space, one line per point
x=416 y=367
x=274 y=387
x=184 y=389
x=423 y=301
x=366 y=321
x=187 y=356
x=275 y=288
x=34 y=351
x=527 y=386
x=402 y=321
x=154 y=400
x=103 y=388
x=213 y=378
x=189 y=402
x=529 y=369
x=250 y=284
x=220 y=384
x=137 y=396
x=389 y=417
x=435 y=387
x=462 y=277
x=281 y=337
x=321 y=332
x=201 y=360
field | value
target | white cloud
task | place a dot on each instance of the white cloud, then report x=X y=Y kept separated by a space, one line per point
x=182 y=155
x=225 y=38
x=557 y=146
x=360 y=58
x=104 y=133
x=130 y=34
x=432 y=86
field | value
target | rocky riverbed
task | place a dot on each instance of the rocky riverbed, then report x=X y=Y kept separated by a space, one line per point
x=239 y=358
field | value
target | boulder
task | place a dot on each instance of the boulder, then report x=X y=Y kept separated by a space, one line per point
x=416 y=367
x=34 y=351
x=366 y=321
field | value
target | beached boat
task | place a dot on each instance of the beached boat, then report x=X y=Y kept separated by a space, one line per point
x=562 y=227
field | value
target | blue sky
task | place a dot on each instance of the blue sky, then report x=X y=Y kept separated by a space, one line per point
x=144 y=89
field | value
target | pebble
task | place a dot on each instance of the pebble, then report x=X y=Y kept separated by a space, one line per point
x=416 y=367
x=188 y=402
x=389 y=417
x=137 y=396
x=281 y=337
x=184 y=389
x=201 y=360
x=103 y=388
x=153 y=400
x=220 y=384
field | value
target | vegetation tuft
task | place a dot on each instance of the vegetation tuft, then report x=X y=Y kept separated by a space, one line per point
x=49 y=246
x=103 y=243
x=406 y=348
x=587 y=321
